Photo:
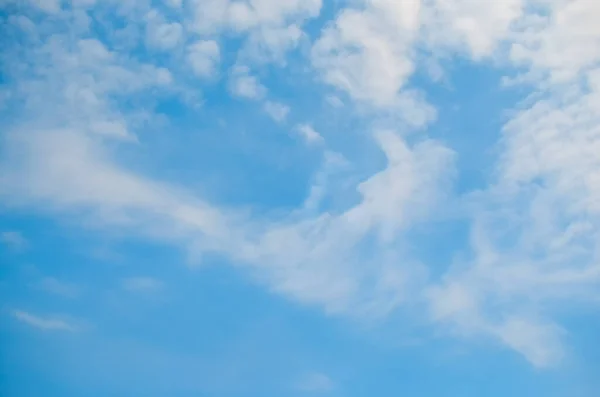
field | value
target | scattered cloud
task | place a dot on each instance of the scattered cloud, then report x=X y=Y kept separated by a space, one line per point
x=534 y=226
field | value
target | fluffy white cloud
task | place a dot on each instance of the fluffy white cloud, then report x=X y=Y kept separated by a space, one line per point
x=204 y=58
x=367 y=52
x=162 y=35
x=561 y=40
x=98 y=77
x=208 y=16
x=475 y=26
x=244 y=85
x=309 y=134
x=270 y=44
x=277 y=111
x=273 y=26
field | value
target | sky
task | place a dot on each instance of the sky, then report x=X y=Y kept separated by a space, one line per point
x=299 y=198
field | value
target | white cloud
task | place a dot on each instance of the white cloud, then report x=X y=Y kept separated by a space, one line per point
x=367 y=52
x=242 y=84
x=316 y=259
x=319 y=260
x=14 y=240
x=162 y=35
x=97 y=76
x=535 y=227
x=411 y=179
x=316 y=382
x=562 y=40
x=174 y=3
x=65 y=168
x=65 y=171
x=272 y=26
x=538 y=342
x=333 y=163
x=56 y=287
x=142 y=284
x=213 y=15
x=334 y=101
x=209 y=16
x=270 y=44
x=113 y=129
x=57 y=162
x=83 y=3
x=475 y=26
x=277 y=111
x=43 y=323
x=204 y=57
x=309 y=134
x=269 y=29
x=49 y=6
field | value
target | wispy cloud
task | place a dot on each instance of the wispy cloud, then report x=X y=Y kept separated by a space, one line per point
x=57 y=287
x=13 y=239
x=44 y=323
x=142 y=284
x=316 y=383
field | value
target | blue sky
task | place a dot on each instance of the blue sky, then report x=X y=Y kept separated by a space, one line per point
x=300 y=198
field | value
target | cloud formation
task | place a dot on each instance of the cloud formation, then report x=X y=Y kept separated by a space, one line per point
x=43 y=323
x=533 y=227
